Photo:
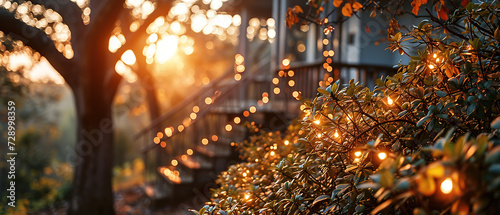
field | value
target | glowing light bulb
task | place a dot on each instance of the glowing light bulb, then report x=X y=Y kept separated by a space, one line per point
x=446 y=186
x=356 y=160
x=336 y=134
x=287 y=142
x=431 y=66
x=382 y=155
x=247 y=196
x=286 y=62
x=357 y=154
x=435 y=55
x=389 y=101
x=317 y=122
x=319 y=135
x=174 y=162
x=272 y=153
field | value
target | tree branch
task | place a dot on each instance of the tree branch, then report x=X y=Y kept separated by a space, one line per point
x=69 y=11
x=38 y=41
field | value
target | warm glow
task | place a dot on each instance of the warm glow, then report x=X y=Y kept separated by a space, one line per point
x=237 y=77
x=246 y=113
x=196 y=109
x=316 y=122
x=291 y=73
x=215 y=138
x=276 y=90
x=382 y=155
x=204 y=141
x=128 y=57
x=336 y=135
x=166 y=48
x=291 y=83
x=189 y=152
x=431 y=66
x=286 y=62
x=163 y=144
x=435 y=55
x=319 y=135
x=272 y=153
x=287 y=142
x=208 y=100
x=295 y=94
x=252 y=109
x=180 y=128
x=229 y=127
x=238 y=59
x=389 y=101
x=356 y=160
x=114 y=44
x=247 y=196
x=265 y=100
x=174 y=162
x=156 y=140
x=159 y=135
x=237 y=120
x=447 y=186
x=357 y=153
x=276 y=81
x=192 y=116
x=168 y=131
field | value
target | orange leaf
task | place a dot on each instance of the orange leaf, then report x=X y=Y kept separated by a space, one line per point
x=442 y=11
x=347 y=10
x=356 y=6
x=367 y=29
x=415 y=4
x=298 y=9
x=465 y=3
x=337 y=3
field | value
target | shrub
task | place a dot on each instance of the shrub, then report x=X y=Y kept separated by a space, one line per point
x=425 y=140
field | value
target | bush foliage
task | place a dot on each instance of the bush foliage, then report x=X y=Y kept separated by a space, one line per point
x=423 y=141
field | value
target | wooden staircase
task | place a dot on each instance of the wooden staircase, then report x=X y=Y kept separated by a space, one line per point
x=185 y=154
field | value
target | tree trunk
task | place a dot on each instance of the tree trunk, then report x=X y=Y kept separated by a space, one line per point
x=92 y=185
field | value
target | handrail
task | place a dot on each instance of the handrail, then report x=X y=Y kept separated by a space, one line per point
x=181 y=105
x=226 y=90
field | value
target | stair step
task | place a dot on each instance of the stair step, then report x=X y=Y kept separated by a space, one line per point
x=214 y=150
x=196 y=162
x=176 y=175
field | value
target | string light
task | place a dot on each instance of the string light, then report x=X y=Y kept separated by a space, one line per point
x=431 y=66
x=357 y=153
x=447 y=186
x=316 y=122
x=382 y=155
x=319 y=135
x=156 y=140
x=272 y=153
x=159 y=135
x=287 y=142
x=336 y=135
x=389 y=101
x=229 y=127
x=189 y=152
x=237 y=120
x=204 y=141
x=286 y=62
x=174 y=162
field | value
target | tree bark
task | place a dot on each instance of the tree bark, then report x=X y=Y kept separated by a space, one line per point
x=92 y=185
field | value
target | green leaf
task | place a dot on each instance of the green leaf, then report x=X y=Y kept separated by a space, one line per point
x=323 y=91
x=441 y=93
x=496 y=123
x=321 y=199
x=422 y=121
x=471 y=108
x=402 y=184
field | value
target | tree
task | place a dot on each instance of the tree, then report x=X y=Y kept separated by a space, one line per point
x=75 y=42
